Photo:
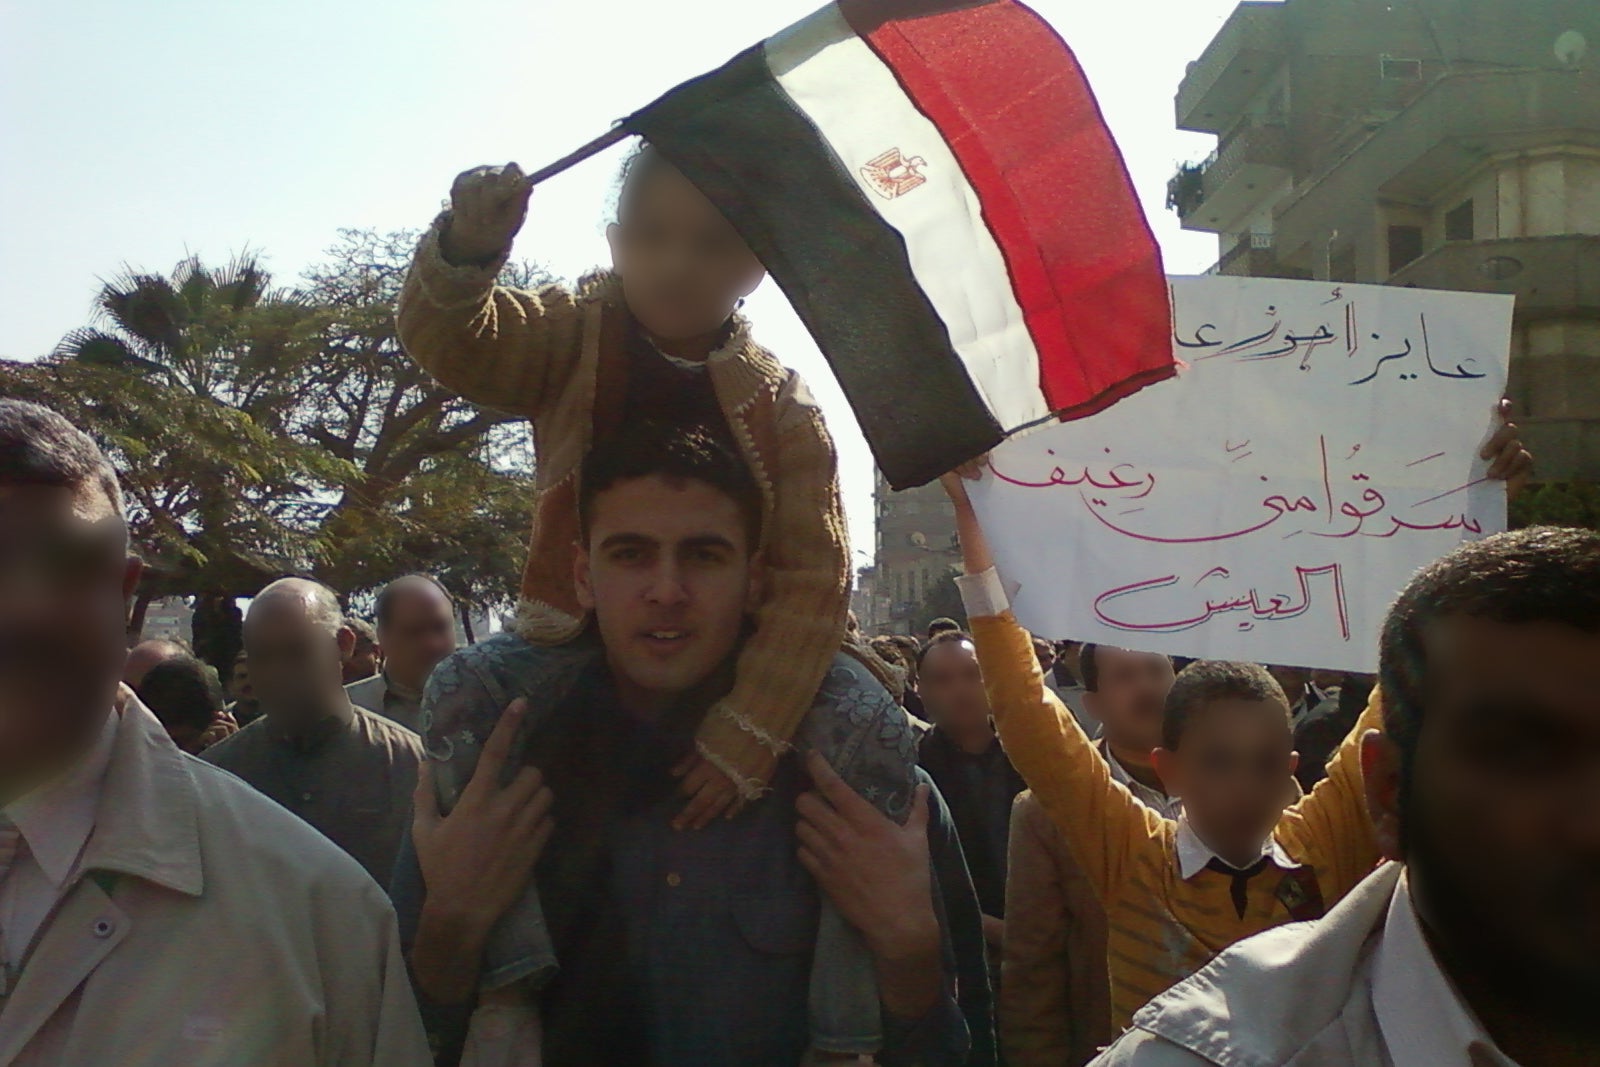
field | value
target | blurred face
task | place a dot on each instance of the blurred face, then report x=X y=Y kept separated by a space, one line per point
x=295 y=663
x=684 y=268
x=65 y=582
x=364 y=662
x=1501 y=817
x=951 y=687
x=418 y=634
x=1046 y=654
x=669 y=575
x=239 y=687
x=1232 y=769
x=1130 y=696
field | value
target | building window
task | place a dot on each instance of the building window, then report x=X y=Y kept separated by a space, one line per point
x=1405 y=245
x=1401 y=70
x=1458 y=222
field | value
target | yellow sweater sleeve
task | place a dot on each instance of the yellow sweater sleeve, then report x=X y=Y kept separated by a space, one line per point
x=507 y=349
x=1102 y=822
x=1330 y=827
x=800 y=623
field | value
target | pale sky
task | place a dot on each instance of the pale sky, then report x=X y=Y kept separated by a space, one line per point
x=138 y=132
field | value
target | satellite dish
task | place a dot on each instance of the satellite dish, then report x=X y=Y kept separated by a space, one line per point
x=919 y=539
x=1571 y=47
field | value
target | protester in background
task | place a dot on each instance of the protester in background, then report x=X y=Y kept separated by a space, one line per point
x=1053 y=1007
x=175 y=916
x=365 y=659
x=941 y=625
x=416 y=630
x=964 y=758
x=344 y=770
x=911 y=651
x=185 y=696
x=147 y=654
x=1125 y=693
x=1480 y=944
x=243 y=707
x=1319 y=731
x=1063 y=680
x=1176 y=892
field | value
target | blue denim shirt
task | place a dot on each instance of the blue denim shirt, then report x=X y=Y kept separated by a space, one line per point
x=696 y=947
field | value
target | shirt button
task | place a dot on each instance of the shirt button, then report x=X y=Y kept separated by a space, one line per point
x=674 y=879
x=305 y=796
x=104 y=928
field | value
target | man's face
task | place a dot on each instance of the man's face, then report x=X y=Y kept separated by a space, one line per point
x=65 y=582
x=1130 y=696
x=295 y=663
x=670 y=578
x=683 y=266
x=363 y=662
x=1502 y=815
x=419 y=633
x=1046 y=655
x=951 y=686
x=1232 y=768
x=239 y=687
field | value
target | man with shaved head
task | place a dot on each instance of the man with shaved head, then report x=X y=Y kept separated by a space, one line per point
x=148 y=654
x=416 y=631
x=153 y=910
x=341 y=768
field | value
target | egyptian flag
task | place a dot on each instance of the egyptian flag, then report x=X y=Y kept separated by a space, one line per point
x=932 y=185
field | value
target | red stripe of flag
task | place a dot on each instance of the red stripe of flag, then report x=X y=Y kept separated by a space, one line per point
x=1010 y=99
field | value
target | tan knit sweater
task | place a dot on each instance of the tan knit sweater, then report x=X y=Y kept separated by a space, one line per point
x=557 y=357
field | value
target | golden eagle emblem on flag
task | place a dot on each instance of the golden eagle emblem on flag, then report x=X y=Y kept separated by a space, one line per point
x=892 y=175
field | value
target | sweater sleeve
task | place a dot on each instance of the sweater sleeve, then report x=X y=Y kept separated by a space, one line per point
x=507 y=349
x=800 y=623
x=1034 y=1008
x=1100 y=819
x=1330 y=827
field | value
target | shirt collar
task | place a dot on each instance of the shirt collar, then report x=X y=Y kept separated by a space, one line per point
x=1154 y=799
x=1421 y=1015
x=57 y=818
x=394 y=688
x=1194 y=854
x=314 y=736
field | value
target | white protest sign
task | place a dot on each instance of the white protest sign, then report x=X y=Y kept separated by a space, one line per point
x=1269 y=502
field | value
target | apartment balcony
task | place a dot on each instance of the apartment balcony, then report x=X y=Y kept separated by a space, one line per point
x=1549 y=276
x=1254 y=255
x=1250 y=163
x=1240 y=59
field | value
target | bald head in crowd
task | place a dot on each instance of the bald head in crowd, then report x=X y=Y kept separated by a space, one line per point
x=295 y=636
x=149 y=654
x=416 y=629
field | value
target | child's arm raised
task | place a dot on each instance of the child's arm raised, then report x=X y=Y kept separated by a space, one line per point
x=1099 y=818
x=503 y=348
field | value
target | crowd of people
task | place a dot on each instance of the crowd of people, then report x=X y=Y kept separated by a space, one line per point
x=681 y=811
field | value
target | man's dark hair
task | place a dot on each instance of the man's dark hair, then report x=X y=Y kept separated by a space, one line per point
x=1088 y=668
x=1541 y=574
x=38 y=447
x=366 y=636
x=941 y=625
x=1206 y=681
x=183 y=692
x=943 y=637
x=676 y=454
x=1043 y=647
x=383 y=603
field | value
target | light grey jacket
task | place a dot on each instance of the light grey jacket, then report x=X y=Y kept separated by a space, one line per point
x=209 y=927
x=1295 y=996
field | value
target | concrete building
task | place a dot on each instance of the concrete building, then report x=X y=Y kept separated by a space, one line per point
x=916 y=546
x=1444 y=144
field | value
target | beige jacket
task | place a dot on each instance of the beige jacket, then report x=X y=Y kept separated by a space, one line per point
x=1294 y=996
x=208 y=926
x=1054 y=1005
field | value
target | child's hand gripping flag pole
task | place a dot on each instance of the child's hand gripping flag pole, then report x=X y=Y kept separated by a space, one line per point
x=932 y=185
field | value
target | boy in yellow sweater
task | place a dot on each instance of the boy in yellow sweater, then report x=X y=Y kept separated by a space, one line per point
x=659 y=339
x=1176 y=892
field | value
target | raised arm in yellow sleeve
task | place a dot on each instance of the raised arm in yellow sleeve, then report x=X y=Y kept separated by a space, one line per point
x=1100 y=819
x=1330 y=827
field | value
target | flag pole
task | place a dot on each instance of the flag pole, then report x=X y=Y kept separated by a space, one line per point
x=594 y=147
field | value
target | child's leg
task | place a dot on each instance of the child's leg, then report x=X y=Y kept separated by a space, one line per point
x=866 y=737
x=464 y=698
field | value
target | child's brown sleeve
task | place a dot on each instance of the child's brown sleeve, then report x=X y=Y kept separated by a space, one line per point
x=503 y=348
x=801 y=621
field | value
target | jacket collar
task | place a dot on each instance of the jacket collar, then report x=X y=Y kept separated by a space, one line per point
x=1266 y=998
x=148 y=824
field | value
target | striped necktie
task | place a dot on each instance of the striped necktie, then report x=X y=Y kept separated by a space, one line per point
x=11 y=845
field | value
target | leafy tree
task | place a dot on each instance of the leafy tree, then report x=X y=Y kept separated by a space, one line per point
x=1558 y=504
x=942 y=600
